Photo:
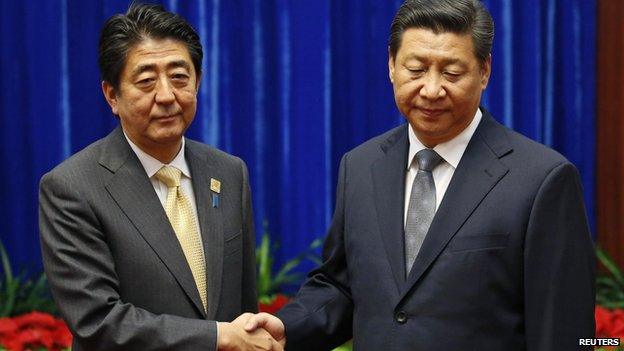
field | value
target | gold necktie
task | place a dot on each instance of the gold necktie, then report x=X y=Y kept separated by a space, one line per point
x=184 y=223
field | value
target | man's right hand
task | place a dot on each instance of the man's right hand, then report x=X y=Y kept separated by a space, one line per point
x=268 y=322
x=233 y=337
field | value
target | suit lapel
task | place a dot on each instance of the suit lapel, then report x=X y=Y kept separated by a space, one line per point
x=210 y=220
x=389 y=183
x=477 y=173
x=134 y=194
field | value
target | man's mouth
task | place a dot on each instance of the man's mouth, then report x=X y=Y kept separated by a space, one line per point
x=166 y=118
x=431 y=113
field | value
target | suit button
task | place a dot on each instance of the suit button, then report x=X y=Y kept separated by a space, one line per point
x=401 y=317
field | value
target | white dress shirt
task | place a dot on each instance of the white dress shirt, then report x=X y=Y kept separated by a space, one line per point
x=152 y=165
x=451 y=152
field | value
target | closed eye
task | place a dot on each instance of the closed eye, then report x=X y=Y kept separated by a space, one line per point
x=416 y=72
x=146 y=81
x=180 y=79
x=452 y=76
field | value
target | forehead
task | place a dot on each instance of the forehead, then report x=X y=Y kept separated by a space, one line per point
x=426 y=44
x=156 y=54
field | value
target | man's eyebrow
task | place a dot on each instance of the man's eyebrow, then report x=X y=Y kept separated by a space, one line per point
x=152 y=67
x=143 y=68
x=413 y=56
x=179 y=63
x=447 y=61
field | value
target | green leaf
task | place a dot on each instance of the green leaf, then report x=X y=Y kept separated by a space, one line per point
x=609 y=287
x=606 y=280
x=21 y=295
x=266 y=299
x=264 y=262
x=611 y=266
x=6 y=264
x=287 y=267
x=612 y=305
x=348 y=346
x=10 y=286
x=268 y=282
x=11 y=289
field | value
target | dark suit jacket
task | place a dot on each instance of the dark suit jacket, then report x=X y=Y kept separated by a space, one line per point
x=115 y=266
x=507 y=264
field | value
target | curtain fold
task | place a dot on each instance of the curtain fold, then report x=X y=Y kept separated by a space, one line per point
x=288 y=86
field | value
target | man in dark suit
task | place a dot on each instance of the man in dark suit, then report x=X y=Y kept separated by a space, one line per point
x=451 y=232
x=147 y=237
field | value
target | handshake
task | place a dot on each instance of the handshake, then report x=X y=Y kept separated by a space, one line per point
x=250 y=331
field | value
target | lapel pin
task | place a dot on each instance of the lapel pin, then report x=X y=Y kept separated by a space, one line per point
x=215 y=186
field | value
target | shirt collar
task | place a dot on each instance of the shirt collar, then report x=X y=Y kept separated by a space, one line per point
x=152 y=165
x=451 y=151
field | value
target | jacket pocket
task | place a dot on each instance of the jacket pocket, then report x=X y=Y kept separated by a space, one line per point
x=232 y=243
x=478 y=242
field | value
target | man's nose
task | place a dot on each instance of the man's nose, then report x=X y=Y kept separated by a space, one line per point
x=432 y=88
x=164 y=92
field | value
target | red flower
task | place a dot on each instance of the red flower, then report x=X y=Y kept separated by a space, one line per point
x=7 y=326
x=32 y=338
x=617 y=323
x=13 y=344
x=34 y=331
x=276 y=304
x=603 y=322
x=609 y=323
x=35 y=320
x=8 y=329
x=62 y=335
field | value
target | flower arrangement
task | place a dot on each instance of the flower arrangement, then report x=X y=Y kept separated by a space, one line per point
x=34 y=331
x=26 y=321
x=270 y=298
x=609 y=323
x=609 y=301
x=19 y=294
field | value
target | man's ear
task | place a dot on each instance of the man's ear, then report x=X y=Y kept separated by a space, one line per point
x=110 y=95
x=390 y=66
x=486 y=70
x=199 y=78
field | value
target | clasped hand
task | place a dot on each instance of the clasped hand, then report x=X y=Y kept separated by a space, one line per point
x=251 y=332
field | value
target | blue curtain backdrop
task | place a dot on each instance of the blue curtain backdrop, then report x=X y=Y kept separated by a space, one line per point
x=288 y=85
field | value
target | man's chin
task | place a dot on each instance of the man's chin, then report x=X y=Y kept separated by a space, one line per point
x=430 y=134
x=167 y=137
x=427 y=124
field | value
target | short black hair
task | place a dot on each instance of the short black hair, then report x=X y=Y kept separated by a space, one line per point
x=456 y=16
x=142 y=21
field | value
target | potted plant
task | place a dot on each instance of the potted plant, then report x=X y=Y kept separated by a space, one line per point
x=270 y=285
x=26 y=320
x=609 y=301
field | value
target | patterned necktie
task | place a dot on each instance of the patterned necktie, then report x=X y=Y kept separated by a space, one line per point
x=184 y=223
x=422 y=204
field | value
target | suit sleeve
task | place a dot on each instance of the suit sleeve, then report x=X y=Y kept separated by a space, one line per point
x=559 y=265
x=320 y=316
x=81 y=272
x=249 y=301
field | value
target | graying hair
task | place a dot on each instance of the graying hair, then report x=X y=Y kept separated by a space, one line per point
x=142 y=21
